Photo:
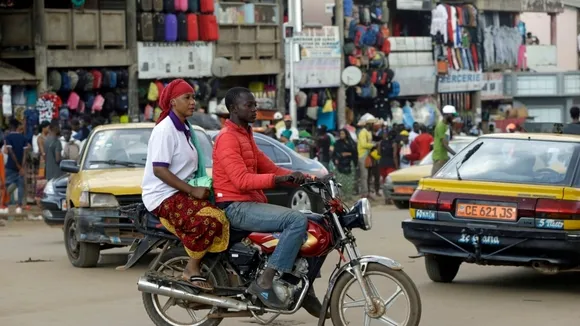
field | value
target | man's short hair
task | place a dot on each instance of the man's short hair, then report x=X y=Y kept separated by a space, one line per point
x=575 y=112
x=233 y=94
x=14 y=123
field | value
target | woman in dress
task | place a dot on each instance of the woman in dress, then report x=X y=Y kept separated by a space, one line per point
x=174 y=158
x=344 y=157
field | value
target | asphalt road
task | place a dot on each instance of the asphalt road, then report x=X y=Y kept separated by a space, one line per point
x=53 y=293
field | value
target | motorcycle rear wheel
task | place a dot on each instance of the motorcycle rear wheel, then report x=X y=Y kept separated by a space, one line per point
x=218 y=277
x=403 y=281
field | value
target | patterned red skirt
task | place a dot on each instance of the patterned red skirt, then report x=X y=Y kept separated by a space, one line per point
x=201 y=226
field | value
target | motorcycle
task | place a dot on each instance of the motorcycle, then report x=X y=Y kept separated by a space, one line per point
x=233 y=270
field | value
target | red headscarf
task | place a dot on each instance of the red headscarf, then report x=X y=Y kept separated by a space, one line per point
x=174 y=89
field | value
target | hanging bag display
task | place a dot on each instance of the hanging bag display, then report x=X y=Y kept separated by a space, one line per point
x=206 y=6
x=328 y=107
x=159 y=24
x=180 y=5
x=145 y=5
x=192 y=27
x=169 y=6
x=193 y=6
x=158 y=5
x=145 y=30
x=170 y=28
x=181 y=27
x=208 y=28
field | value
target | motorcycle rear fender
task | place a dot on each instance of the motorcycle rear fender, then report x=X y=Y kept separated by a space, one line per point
x=347 y=268
x=145 y=245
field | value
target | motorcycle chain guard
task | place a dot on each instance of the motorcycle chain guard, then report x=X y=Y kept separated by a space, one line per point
x=347 y=268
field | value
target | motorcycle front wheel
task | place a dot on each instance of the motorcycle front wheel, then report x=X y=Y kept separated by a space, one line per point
x=164 y=311
x=398 y=306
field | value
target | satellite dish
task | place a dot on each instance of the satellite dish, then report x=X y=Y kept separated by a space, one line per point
x=221 y=67
x=351 y=76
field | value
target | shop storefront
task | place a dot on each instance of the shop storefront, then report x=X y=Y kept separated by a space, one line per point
x=317 y=76
x=547 y=96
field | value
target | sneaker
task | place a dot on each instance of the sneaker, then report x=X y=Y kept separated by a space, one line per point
x=4 y=210
x=18 y=210
x=267 y=296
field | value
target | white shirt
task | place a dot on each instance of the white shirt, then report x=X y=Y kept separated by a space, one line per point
x=295 y=133
x=412 y=136
x=170 y=147
x=439 y=21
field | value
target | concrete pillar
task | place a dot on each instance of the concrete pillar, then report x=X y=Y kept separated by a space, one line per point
x=133 y=69
x=38 y=21
x=341 y=96
x=553 y=29
x=281 y=77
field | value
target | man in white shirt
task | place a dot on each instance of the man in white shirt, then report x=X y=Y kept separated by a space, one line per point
x=288 y=126
x=414 y=133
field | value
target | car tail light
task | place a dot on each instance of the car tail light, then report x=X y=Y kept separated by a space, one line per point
x=445 y=205
x=558 y=209
x=424 y=199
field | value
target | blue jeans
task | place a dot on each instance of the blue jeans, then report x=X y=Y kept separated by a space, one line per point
x=258 y=217
x=13 y=177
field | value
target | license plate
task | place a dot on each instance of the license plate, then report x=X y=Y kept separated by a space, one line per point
x=487 y=211
x=63 y=205
x=404 y=190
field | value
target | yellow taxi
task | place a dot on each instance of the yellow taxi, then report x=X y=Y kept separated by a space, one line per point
x=400 y=185
x=505 y=199
x=107 y=175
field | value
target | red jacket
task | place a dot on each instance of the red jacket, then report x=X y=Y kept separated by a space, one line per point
x=420 y=147
x=241 y=171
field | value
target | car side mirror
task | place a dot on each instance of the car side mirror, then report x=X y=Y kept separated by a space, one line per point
x=70 y=166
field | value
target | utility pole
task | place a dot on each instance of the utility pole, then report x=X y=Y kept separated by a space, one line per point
x=295 y=26
x=341 y=95
x=133 y=69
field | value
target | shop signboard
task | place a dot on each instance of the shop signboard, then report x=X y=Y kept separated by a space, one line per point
x=321 y=56
x=461 y=81
x=414 y=4
x=492 y=86
x=316 y=42
x=174 y=60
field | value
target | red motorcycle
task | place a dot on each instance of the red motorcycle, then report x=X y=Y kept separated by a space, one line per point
x=232 y=271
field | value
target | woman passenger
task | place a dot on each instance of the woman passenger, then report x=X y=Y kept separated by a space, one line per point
x=174 y=158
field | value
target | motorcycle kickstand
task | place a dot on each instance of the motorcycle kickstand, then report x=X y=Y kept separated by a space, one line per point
x=264 y=321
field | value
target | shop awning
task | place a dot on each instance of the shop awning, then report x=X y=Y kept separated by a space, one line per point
x=14 y=76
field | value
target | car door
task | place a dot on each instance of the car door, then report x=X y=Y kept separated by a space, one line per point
x=278 y=196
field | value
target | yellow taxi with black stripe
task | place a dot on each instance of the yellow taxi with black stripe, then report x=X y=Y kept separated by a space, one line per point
x=505 y=199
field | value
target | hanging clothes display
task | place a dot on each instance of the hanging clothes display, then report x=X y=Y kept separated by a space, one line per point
x=458 y=38
x=48 y=106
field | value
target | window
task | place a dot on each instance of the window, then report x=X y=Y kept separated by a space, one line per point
x=274 y=153
x=515 y=161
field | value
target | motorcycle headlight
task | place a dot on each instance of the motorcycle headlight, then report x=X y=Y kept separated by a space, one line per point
x=49 y=188
x=360 y=216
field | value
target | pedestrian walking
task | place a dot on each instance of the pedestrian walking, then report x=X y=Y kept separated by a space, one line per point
x=441 y=148
x=345 y=159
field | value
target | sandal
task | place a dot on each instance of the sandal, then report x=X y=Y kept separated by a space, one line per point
x=199 y=282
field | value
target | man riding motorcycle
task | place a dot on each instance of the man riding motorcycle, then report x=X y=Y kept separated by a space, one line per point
x=240 y=174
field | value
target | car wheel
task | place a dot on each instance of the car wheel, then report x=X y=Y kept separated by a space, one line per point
x=442 y=269
x=80 y=254
x=402 y=204
x=300 y=201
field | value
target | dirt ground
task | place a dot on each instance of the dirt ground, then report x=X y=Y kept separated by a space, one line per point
x=40 y=287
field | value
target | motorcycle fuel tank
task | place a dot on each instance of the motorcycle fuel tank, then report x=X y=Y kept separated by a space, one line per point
x=318 y=240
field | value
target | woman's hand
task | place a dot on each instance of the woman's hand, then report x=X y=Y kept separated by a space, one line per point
x=200 y=192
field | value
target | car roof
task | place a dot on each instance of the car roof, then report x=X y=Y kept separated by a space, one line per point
x=134 y=125
x=536 y=136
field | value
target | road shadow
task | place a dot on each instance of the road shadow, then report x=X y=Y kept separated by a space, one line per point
x=520 y=279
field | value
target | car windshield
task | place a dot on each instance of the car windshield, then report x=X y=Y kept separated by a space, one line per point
x=122 y=148
x=455 y=145
x=515 y=161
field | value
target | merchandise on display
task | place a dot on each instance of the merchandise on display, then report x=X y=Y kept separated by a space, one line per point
x=503 y=46
x=458 y=37
x=177 y=21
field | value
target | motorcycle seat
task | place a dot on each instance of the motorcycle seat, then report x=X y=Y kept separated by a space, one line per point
x=154 y=222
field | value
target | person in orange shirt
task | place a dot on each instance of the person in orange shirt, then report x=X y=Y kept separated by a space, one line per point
x=421 y=146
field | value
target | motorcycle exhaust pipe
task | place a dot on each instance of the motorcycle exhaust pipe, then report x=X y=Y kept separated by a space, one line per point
x=146 y=286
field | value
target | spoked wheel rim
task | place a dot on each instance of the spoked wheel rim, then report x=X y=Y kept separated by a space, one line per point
x=72 y=242
x=164 y=305
x=300 y=201
x=379 y=313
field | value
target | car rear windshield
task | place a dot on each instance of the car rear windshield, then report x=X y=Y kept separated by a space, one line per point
x=514 y=161
x=456 y=146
